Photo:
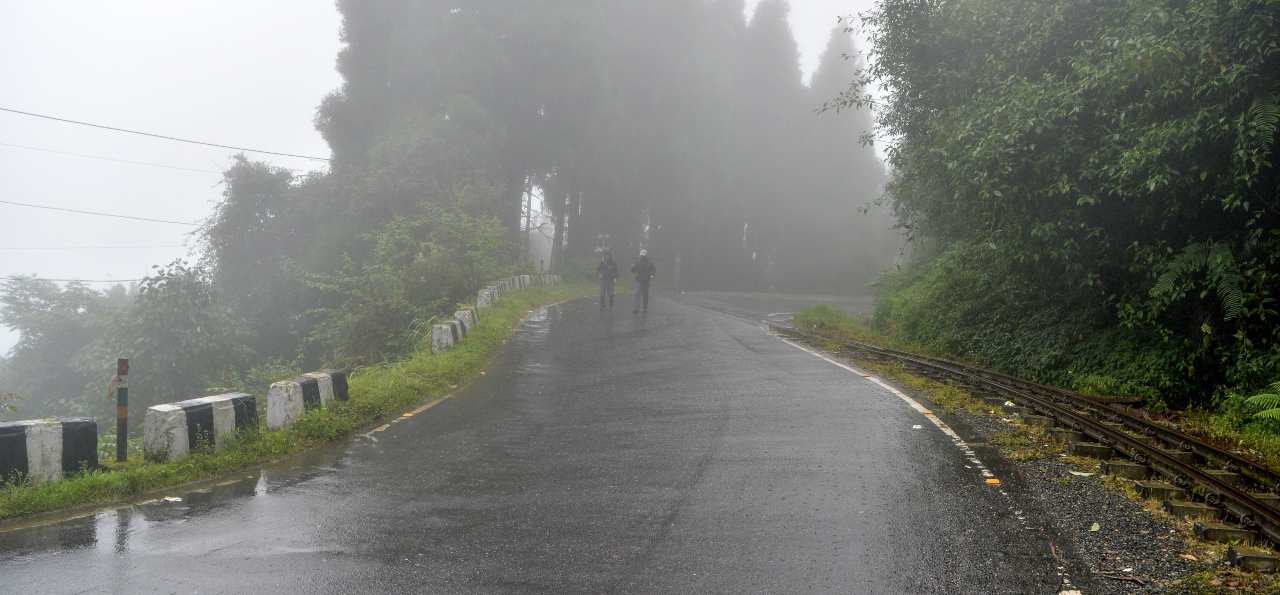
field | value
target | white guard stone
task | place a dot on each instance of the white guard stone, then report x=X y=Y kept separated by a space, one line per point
x=164 y=435
x=467 y=318
x=441 y=338
x=284 y=404
x=224 y=419
x=463 y=321
x=44 y=450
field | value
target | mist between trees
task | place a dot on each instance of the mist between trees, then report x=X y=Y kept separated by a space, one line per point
x=465 y=136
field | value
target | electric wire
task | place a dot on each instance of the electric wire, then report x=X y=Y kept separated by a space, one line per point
x=159 y=136
x=300 y=172
x=54 y=248
x=98 y=213
x=33 y=278
x=104 y=158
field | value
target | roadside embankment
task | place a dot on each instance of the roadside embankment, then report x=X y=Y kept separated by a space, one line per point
x=376 y=392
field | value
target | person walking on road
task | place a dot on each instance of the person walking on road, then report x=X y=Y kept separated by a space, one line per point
x=607 y=272
x=644 y=271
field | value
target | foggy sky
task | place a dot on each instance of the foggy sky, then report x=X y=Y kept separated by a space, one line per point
x=246 y=73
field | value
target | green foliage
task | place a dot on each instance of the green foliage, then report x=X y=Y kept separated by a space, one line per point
x=178 y=333
x=822 y=317
x=261 y=235
x=1266 y=405
x=1096 y=183
x=52 y=367
x=1218 y=266
x=180 y=337
x=420 y=268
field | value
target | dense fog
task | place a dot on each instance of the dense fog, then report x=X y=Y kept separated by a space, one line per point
x=476 y=140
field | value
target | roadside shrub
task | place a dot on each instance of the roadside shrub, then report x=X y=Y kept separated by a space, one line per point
x=419 y=268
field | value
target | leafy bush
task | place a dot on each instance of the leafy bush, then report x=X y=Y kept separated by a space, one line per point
x=1266 y=405
x=420 y=268
x=823 y=316
x=1100 y=181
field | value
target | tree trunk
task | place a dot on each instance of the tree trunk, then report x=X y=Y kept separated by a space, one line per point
x=512 y=201
x=556 y=194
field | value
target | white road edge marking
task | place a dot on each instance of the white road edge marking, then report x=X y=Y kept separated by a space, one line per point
x=964 y=447
x=1066 y=588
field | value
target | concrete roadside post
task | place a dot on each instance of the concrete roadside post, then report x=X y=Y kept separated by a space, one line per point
x=122 y=409
x=174 y=430
x=289 y=400
x=47 y=449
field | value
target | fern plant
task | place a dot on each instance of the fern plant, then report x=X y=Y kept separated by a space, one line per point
x=1217 y=263
x=1266 y=404
x=1256 y=139
x=1264 y=120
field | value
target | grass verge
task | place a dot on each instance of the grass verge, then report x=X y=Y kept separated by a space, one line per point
x=1229 y=425
x=376 y=393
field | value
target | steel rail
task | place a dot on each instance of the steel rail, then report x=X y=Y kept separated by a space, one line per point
x=1250 y=512
x=1266 y=478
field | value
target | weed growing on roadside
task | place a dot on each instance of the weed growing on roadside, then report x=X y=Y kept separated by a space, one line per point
x=949 y=398
x=1025 y=443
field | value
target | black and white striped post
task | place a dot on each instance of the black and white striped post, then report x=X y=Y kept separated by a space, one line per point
x=289 y=400
x=174 y=430
x=47 y=449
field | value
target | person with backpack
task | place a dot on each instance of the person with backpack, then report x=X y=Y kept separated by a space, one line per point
x=607 y=272
x=644 y=271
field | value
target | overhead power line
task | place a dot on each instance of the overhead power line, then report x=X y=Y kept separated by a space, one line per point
x=14 y=278
x=35 y=248
x=104 y=158
x=98 y=213
x=160 y=136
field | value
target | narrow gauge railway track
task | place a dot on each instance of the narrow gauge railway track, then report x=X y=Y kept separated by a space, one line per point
x=1187 y=462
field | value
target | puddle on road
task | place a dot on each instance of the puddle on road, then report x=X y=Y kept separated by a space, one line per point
x=115 y=528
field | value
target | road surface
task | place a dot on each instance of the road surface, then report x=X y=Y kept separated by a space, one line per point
x=683 y=451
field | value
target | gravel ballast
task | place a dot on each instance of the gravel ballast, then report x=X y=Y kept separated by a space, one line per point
x=1132 y=550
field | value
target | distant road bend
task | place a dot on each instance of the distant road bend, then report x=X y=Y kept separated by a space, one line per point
x=684 y=451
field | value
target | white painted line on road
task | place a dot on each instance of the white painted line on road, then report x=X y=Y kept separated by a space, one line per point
x=429 y=405
x=989 y=478
x=929 y=415
x=403 y=416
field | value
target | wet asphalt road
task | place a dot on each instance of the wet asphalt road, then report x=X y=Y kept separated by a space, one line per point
x=683 y=451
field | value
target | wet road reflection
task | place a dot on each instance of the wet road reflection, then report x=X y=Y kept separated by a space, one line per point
x=678 y=451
